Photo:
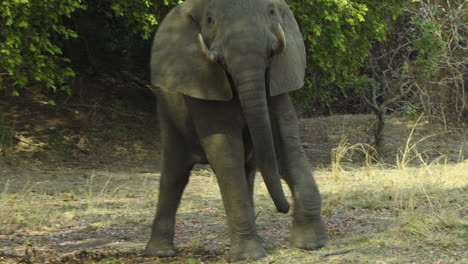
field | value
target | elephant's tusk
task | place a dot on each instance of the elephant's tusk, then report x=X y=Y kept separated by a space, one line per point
x=211 y=56
x=281 y=39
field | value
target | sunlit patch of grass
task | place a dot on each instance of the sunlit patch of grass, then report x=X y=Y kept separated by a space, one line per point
x=98 y=200
x=425 y=203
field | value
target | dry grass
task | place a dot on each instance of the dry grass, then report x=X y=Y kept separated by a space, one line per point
x=375 y=214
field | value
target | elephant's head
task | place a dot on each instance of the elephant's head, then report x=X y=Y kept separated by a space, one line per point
x=215 y=49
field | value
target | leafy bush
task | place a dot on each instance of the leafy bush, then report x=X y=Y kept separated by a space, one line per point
x=38 y=38
x=339 y=36
x=143 y=15
x=41 y=41
x=30 y=43
x=441 y=65
x=422 y=66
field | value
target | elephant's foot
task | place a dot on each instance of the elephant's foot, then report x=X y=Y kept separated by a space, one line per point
x=159 y=248
x=246 y=249
x=309 y=236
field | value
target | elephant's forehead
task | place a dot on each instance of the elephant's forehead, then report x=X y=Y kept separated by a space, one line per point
x=245 y=5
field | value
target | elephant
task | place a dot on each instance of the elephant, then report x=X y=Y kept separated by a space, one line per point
x=223 y=69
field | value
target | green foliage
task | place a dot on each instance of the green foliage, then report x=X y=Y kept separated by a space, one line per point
x=30 y=52
x=428 y=45
x=411 y=112
x=34 y=36
x=422 y=63
x=143 y=15
x=110 y=260
x=436 y=34
x=339 y=36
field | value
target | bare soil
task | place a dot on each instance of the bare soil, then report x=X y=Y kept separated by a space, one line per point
x=89 y=174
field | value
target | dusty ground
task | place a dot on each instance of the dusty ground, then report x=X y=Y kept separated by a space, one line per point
x=78 y=184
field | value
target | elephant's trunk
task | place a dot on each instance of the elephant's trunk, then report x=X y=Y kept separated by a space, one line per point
x=252 y=95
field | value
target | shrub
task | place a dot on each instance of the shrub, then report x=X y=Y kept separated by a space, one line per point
x=423 y=63
x=339 y=36
x=38 y=38
x=30 y=44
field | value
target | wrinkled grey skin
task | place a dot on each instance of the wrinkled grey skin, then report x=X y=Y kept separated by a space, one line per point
x=224 y=68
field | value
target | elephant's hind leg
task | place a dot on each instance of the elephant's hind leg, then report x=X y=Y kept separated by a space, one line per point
x=308 y=231
x=176 y=166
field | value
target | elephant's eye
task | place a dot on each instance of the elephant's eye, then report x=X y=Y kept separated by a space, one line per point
x=272 y=12
x=210 y=20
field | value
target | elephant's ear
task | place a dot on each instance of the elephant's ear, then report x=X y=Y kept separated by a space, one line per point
x=288 y=68
x=177 y=63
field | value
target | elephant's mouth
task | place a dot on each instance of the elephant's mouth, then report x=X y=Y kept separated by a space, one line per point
x=233 y=87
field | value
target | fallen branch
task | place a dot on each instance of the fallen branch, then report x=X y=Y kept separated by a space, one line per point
x=337 y=253
x=45 y=146
x=30 y=144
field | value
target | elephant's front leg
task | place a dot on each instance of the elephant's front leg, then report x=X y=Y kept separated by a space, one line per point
x=225 y=156
x=176 y=166
x=219 y=128
x=309 y=231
